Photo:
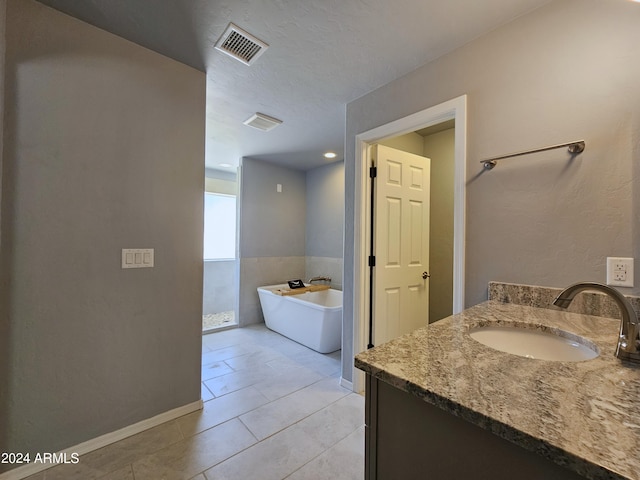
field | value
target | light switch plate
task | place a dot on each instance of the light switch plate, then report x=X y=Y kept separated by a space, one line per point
x=137 y=258
x=620 y=271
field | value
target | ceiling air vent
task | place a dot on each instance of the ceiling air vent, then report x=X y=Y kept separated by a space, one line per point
x=262 y=122
x=241 y=45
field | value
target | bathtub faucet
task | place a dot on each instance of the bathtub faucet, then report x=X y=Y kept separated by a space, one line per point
x=320 y=279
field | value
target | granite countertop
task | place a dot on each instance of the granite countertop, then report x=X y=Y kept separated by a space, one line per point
x=583 y=415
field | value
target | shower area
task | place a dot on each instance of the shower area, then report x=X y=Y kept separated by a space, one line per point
x=219 y=295
x=219 y=252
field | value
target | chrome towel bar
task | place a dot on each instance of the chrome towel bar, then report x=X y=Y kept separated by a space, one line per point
x=574 y=149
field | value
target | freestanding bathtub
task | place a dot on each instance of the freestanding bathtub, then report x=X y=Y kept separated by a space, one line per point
x=313 y=319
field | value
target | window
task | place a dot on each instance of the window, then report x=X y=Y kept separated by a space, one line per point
x=219 y=226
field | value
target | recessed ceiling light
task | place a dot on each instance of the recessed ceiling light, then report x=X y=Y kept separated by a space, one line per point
x=226 y=165
x=329 y=155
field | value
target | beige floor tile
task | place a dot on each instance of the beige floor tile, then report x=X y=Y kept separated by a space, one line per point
x=289 y=380
x=205 y=393
x=279 y=414
x=260 y=356
x=125 y=473
x=222 y=354
x=78 y=471
x=85 y=472
x=37 y=476
x=286 y=346
x=113 y=457
x=234 y=381
x=280 y=455
x=272 y=459
x=215 y=369
x=327 y=364
x=343 y=461
x=195 y=454
x=226 y=338
x=220 y=410
x=130 y=449
x=261 y=334
x=336 y=421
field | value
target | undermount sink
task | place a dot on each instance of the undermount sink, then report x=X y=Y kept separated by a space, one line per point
x=529 y=343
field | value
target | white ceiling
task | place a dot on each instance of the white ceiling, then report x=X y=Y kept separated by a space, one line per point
x=322 y=54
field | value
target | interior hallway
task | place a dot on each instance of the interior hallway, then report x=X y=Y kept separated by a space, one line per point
x=273 y=410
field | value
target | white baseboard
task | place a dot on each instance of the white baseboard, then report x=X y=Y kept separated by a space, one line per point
x=104 y=440
x=344 y=383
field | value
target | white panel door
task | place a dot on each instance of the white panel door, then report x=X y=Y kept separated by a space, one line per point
x=401 y=243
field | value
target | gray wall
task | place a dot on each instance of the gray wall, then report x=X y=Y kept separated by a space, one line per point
x=411 y=143
x=325 y=210
x=325 y=222
x=537 y=81
x=439 y=147
x=272 y=231
x=104 y=150
x=272 y=224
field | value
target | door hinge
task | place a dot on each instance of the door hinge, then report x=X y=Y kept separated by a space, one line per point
x=372 y=260
x=373 y=172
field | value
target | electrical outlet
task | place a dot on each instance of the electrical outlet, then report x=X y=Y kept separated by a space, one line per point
x=620 y=271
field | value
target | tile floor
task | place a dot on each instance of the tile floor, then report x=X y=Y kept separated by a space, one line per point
x=273 y=410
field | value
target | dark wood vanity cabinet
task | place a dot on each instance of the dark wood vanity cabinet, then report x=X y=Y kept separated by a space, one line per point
x=407 y=438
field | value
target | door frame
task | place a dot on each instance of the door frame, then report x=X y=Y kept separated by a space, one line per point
x=455 y=109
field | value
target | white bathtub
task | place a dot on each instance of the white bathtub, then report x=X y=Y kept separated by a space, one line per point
x=313 y=319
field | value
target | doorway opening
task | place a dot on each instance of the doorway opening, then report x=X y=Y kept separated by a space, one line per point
x=219 y=252
x=451 y=111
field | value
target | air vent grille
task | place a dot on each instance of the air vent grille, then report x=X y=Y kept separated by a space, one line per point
x=262 y=122
x=240 y=45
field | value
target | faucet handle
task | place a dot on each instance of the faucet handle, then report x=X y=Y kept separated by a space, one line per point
x=629 y=341
x=622 y=343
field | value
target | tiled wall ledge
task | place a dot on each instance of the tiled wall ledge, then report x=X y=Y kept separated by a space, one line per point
x=325 y=266
x=588 y=303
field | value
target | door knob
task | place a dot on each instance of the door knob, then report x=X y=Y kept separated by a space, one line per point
x=425 y=275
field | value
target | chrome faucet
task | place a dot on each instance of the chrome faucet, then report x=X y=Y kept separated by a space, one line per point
x=320 y=279
x=628 y=342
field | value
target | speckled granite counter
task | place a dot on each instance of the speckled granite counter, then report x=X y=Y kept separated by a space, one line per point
x=583 y=415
